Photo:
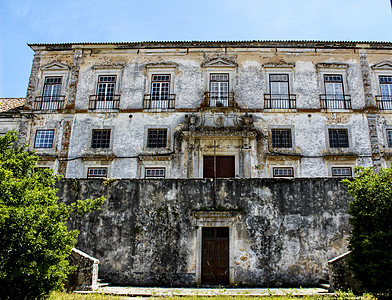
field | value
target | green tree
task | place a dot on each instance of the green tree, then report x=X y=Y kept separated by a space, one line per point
x=34 y=240
x=371 y=234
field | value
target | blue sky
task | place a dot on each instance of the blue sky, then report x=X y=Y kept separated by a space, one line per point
x=49 y=21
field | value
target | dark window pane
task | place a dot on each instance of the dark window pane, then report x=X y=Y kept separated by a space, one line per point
x=100 y=138
x=338 y=138
x=157 y=138
x=281 y=138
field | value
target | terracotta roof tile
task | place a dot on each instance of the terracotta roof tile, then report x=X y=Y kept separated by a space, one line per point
x=7 y=104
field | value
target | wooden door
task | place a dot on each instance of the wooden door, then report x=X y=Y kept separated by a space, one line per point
x=225 y=167
x=215 y=255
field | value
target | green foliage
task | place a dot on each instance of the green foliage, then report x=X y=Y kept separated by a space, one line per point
x=35 y=242
x=371 y=234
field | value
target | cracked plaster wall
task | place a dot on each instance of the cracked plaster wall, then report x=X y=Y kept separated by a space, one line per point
x=285 y=231
x=190 y=80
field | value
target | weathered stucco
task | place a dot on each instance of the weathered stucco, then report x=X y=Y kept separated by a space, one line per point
x=283 y=231
x=249 y=65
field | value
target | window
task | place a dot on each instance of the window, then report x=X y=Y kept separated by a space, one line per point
x=100 y=138
x=338 y=138
x=219 y=90
x=51 y=98
x=155 y=173
x=283 y=172
x=389 y=137
x=97 y=172
x=333 y=86
x=279 y=97
x=385 y=100
x=44 y=139
x=281 y=138
x=160 y=87
x=334 y=97
x=279 y=86
x=386 y=87
x=160 y=97
x=52 y=88
x=341 y=172
x=106 y=97
x=106 y=87
x=157 y=138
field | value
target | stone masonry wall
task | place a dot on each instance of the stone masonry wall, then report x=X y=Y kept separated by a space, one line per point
x=148 y=231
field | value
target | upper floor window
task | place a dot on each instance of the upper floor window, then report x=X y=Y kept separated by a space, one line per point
x=44 y=138
x=281 y=138
x=334 y=97
x=106 y=97
x=100 y=138
x=218 y=95
x=157 y=138
x=160 y=87
x=279 y=96
x=338 y=138
x=384 y=101
x=51 y=95
x=160 y=97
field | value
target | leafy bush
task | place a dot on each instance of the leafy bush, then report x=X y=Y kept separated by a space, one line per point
x=371 y=234
x=35 y=242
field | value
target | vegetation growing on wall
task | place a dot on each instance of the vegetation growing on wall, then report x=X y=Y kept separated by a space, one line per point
x=35 y=242
x=371 y=234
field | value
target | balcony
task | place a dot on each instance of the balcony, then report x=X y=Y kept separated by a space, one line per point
x=104 y=102
x=159 y=102
x=280 y=101
x=335 y=101
x=384 y=102
x=216 y=99
x=49 y=102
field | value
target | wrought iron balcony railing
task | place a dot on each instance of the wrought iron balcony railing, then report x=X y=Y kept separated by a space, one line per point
x=335 y=101
x=104 y=102
x=163 y=101
x=384 y=102
x=280 y=101
x=49 y=102
x=216 y=99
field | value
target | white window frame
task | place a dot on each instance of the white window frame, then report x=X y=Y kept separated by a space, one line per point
x=53 y=138
x=337 y=167
x=146 y=169
x=107 y=71
x=276 y=168
x=97 y=168
x=333 y=69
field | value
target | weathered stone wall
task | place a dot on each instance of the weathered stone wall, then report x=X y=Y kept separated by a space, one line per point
x=148 y=231
x=85 y=277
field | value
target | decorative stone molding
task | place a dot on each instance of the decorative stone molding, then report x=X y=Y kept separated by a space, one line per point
x=55 y=66
x=281 y=64
x=336 y=65
x=163 y=65
x=219 y=62
x=383 y=65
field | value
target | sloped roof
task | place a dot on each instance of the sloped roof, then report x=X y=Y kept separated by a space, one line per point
x=213 y=44
x=11 y=104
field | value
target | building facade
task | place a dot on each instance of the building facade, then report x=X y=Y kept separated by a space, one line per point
x=270 y=122
x=204 y=109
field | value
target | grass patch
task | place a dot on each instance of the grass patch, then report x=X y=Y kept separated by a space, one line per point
x=75 y=296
